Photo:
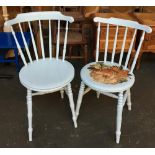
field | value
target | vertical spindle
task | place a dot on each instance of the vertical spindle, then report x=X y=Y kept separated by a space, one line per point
x=137 y=52
x=97 y=45
x=114 y=47
x=50 y=40
x=58 y=40
x=130 y=49
x=65 y=42
x=25 y=43
x=18 y=46
x=123 y=46
x=106 y=44
x=33 y=41
x=41 y=40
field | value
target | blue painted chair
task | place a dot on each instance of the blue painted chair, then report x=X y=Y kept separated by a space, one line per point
x=7 y=42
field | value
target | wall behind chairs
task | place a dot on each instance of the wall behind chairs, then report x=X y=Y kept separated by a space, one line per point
x=43 y=8
x=148 y=9
x=125 y=9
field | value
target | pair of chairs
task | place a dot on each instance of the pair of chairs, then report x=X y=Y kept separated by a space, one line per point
x=49 y=74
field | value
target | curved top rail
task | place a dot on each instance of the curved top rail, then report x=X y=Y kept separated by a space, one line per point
x=124 y=22
x=46 y=15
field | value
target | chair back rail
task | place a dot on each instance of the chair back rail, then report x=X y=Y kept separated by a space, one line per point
x=45 y=15
x=39 y=17
x=120 y=23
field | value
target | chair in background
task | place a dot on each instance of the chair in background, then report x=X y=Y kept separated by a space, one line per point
x=111 y=90
x=7 y=42
x=47 y=74
x=90 y=10
x=9 y=51
x=76 y=35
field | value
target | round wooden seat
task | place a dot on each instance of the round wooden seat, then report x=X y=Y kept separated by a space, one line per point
x=41 y=73
x=46 y=74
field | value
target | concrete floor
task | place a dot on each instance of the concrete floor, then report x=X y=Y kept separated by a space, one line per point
x=52 y=122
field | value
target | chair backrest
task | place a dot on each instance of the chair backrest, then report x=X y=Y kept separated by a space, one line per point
x=39 y=17
x=126 y=24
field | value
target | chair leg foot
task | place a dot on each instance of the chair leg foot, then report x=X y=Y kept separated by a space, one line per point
x=29 y=108
x=118 y=134
x=70 y=95
x=129 y=106
x=98 y=95
x=75 y=122
x=119 y=116
x=129 y=100
x=79 y=100
x=62 y=93
x=30 y=134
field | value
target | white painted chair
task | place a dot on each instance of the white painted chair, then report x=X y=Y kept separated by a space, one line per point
x=111 y=90
x=47 y=74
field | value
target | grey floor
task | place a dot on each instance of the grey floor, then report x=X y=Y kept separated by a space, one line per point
x=52 y=122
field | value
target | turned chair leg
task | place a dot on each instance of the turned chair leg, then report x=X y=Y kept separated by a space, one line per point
x=70 y=96
x=79 y=100
x=29 y=108
x=119 y=117
x=129 y=99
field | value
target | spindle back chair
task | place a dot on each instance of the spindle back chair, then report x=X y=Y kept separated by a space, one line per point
x=123 y=23
x=123 y=89
x=46 y=74
x=40 y=16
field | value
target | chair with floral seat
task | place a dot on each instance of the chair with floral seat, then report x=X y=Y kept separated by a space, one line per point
x=109 y=89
